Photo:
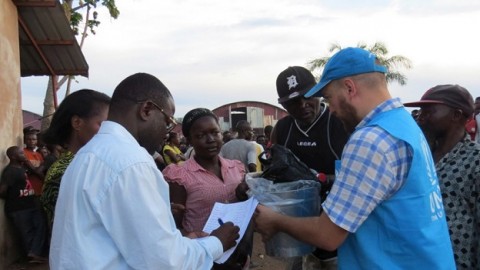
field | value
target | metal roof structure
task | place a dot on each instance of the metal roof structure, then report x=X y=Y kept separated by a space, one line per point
x=47 y=42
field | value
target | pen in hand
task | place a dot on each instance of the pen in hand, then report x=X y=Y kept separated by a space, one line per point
x=220 y=221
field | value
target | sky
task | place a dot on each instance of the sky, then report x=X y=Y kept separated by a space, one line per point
x=213 y=52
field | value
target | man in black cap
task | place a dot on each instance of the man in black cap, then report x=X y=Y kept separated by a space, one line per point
x=385 y=204
x=444 y=111
x=314 y=135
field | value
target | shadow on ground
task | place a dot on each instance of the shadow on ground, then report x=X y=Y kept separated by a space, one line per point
x=259 y=259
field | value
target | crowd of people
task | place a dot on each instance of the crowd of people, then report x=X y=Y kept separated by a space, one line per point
x=110 y=185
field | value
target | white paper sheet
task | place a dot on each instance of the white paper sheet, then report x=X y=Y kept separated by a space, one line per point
x=238 y=213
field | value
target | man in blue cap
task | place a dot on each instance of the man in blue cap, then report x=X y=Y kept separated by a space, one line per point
x=384 y=210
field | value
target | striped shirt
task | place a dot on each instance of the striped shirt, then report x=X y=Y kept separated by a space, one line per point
x=374 y=166
x=204 y=188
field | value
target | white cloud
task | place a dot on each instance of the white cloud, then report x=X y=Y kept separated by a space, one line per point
x=213 y=52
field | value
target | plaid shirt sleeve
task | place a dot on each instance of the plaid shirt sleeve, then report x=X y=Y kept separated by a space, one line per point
x=374 y=165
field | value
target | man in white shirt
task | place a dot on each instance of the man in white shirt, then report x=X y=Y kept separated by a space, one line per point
x=113 y=209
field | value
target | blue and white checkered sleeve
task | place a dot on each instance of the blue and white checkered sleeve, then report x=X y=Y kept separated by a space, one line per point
x=368 y=175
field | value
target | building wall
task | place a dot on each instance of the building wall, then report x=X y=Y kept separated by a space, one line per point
x=271 y=114
x=31 y=119
x=10 y=112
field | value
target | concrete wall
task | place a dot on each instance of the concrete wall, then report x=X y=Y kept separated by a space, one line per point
x=10 y=112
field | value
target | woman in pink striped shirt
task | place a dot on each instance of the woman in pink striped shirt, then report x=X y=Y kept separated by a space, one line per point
x=205 y=178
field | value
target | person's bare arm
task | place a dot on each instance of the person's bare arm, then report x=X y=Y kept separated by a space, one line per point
x=173 y=157
x=318 y=231
x=34 y=170
x=252 y=167
x=241 y=191
x=181 y=156
x=178 y=196
x=252 y=157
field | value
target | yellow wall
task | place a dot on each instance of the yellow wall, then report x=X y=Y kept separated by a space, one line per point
x=10 y=111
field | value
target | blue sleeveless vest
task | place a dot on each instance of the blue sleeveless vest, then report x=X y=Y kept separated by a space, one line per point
x=409 y=230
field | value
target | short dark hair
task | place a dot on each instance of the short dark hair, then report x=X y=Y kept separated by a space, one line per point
x=11 y=151
x=192 y=116
x=171 y=135
x=268 y=129
x=84 y=103
x=241 y=125
x=29 y=133
x=30 y=130
x=139 y=87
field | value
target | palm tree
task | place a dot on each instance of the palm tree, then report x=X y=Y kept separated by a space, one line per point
x=393 y=63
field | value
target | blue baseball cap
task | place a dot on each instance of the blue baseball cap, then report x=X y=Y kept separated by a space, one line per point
x=347 y=62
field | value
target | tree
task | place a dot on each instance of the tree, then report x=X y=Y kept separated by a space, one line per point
x=84 y=13
x=393 y=63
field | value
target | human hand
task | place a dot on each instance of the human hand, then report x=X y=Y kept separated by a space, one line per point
x=227 y=234
x=264 y=219
x=177 y=208
x=193 y=235
x=28 y=165
x=241 y=191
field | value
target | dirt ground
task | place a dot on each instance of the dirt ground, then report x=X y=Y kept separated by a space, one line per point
x=259 y=260
x=28 y=266
x=262 y=261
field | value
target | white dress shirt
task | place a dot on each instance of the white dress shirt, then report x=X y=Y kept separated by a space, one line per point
x=113 y=212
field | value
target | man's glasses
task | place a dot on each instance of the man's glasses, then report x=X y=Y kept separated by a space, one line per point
x=171 y=122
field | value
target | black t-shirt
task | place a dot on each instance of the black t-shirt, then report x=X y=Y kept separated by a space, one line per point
x=320 y=146
x=20 y=193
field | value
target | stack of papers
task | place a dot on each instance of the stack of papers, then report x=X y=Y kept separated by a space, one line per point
x=238 y=213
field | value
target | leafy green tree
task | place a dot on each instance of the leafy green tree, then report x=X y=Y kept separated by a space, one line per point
x=83 y=19
x=393 y=63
